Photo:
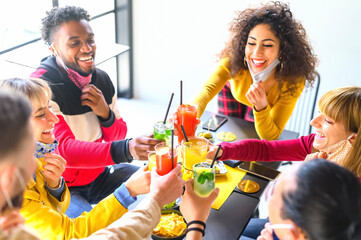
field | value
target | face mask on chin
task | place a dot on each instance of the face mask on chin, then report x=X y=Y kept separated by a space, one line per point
x=15 y=202
x=338 y=152
x=43 y=148
x=264 y=74
x=79 y=80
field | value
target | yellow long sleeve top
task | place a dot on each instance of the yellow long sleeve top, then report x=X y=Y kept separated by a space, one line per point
x=45 y=214
x=269 y=123
x=135 y=225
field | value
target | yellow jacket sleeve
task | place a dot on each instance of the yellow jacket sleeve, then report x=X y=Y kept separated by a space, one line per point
x=51 y=224
x=213 y=86
x=136 y=224
x=270 y=122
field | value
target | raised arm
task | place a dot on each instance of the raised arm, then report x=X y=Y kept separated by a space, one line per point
x=263 y=150
x=212 y=87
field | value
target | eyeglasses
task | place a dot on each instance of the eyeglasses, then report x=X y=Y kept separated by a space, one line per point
x=280 y=226
x=269 y=190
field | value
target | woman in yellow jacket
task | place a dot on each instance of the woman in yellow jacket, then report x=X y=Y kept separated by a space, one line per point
x=46 y=197
x=264 y=66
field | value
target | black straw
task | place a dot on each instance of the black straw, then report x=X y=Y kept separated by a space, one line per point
x=170 y=103
x=215 y=156
x=181 y=92
x=184 y=133
x=172 y=147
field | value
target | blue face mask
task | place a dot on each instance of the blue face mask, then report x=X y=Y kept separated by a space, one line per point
x=263 y=75
x=42 y=148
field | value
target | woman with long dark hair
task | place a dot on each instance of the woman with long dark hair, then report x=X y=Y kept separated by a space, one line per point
x=265 y=65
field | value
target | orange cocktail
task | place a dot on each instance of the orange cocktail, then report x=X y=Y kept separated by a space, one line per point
x=187 y=116
x=163 y=157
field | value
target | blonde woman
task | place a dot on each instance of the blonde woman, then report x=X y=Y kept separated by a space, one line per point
x=46 y=197
x=337 y=136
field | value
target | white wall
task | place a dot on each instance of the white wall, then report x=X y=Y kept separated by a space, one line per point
x=178 y=39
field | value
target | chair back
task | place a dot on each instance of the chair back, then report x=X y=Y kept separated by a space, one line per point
x=304 y=110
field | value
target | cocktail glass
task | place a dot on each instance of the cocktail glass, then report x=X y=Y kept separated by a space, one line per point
x=151 y=161
x=163 y=131
x=194 y=151
x=204 y=179
x=163 y=157
x=187 y=116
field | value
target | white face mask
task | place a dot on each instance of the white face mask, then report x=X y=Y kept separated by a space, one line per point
x=264 y=74
x=16 y=201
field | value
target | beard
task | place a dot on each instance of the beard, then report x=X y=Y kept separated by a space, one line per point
x=77 y=69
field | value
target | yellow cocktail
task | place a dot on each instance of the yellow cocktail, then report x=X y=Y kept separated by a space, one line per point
x=194 y=151
x=151 y=160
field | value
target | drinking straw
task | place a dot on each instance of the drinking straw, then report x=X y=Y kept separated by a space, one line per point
x=172 y=146
x=215 y=156
x=184 y=133
x=170 y=103
x=181 y=92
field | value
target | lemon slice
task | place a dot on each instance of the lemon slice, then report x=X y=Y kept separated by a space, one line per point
x=226 y=136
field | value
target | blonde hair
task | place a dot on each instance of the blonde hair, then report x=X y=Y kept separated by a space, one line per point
x=344 y=106
x=36 y=90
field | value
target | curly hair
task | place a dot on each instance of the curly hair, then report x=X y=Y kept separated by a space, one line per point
x=296 y=54
x=56 y=16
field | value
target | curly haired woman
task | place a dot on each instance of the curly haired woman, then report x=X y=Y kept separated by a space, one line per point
x=265 y=65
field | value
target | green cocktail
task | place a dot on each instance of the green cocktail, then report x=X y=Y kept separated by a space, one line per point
x=204 y=179
x=163 y=131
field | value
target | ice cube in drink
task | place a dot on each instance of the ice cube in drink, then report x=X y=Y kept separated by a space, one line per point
x=163 y=131
x=194 y=151
x=204 y=179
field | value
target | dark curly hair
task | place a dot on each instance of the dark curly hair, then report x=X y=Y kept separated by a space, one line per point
x=56 y=16
x=296 y=54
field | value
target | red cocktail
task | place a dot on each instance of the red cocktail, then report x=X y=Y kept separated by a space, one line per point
x=163 y=156
x=187 y=116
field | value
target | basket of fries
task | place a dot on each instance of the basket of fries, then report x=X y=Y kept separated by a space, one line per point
x=171 y=226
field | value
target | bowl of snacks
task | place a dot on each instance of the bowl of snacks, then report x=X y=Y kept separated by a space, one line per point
x=173 y=205
x=171 y=226
x=207 y=135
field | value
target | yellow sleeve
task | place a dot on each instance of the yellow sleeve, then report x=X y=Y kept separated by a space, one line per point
x=212 y=86
x=269 y=123
x=63 y=204
x=136 y=224
x=50 y=224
